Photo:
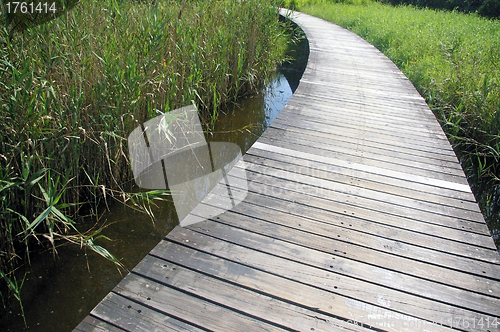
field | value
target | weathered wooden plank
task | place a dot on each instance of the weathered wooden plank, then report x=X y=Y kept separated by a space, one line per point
x=460 y=257
x=374 y=125
x=335 y=153
x=387 y=254
x=362 y=111
x=471 y=259
x=236 y=297
x=346 y=228
x=459 y=243
x=371 y=122
x=386 y=168
x=462 y=190
x=382 y=147
x=330 y=199
x=325 y=95
x=353 y=178
x=377 y=175
x=188 y=307
x=393 y=124
x=324 y=278
x=335 y=262
x=133 y=316
x=95 y=325
x=393 y=200
x=318 y=108
x=361 y=93
x=351 y=76
x=318 y=299
x=358 y=149
x=356 y=134
x=362 y=148
x=261 y=278
x=414 y=113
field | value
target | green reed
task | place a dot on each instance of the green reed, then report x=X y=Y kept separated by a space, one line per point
x=72 y=89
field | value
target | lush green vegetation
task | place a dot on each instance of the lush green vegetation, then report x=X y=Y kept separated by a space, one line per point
x=487 y=8
x=453 y=59
x=72 y=89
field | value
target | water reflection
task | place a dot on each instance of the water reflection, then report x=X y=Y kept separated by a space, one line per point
x=245 y=122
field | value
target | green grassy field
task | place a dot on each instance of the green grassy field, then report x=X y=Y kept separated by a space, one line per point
x=453 y=59
x=72 y=89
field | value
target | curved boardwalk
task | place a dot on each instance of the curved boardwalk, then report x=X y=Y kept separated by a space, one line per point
x=358 y=217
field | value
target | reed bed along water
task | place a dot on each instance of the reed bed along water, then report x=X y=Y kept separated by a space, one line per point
x=453 y=59
x=72 y=89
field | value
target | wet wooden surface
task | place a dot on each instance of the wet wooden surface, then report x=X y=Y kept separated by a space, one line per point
x=358 y=217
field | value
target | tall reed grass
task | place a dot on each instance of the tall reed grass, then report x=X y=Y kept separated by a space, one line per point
x=72 y=89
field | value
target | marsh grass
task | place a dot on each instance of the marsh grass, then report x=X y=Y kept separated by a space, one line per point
x=72 y=89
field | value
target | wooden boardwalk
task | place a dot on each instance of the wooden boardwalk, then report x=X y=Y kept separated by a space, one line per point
x=358 y=218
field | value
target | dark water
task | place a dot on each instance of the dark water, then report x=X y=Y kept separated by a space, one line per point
x=488 y=196
x=58 y=293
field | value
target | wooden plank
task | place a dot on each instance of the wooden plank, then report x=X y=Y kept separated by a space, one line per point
x=375 y=125
x=345 y=224
x=352 y=76
x=388 y=254
x=334 y=262
x=359 y=133
x=375 y=169
x=474 y=259
x=93 y=324
x=416 y=113
x=313 y=180
x=326 y=95
x=360 y=146
x=259 y=278
x=357 y=148
x=133 y=316
x=359 y=92
x=391 y=115
x=188 y=307
x=362 y=173
x=468 y=233
x=317 y=299
x=358 y=179
x=363 y=295
x=329 y=137
x=379 y=121
x=348 y=78
x=303 y=191
x=433 y=239
x=371 y=121
x=233 y=296
x=442 y=151
x=334 y=153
